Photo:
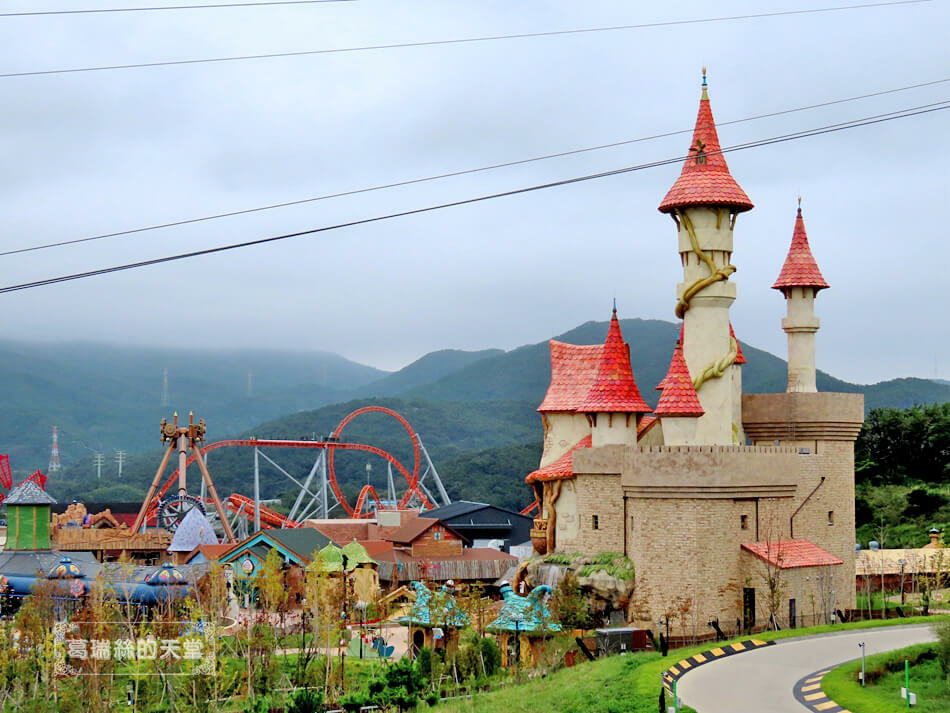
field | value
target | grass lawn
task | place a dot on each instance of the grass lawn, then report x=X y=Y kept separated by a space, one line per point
x=629 y=683
x=882 y=695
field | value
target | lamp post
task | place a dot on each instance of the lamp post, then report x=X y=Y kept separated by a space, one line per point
x=343 y=638
x=903 y=563
x=861 y=645
x=518 y=618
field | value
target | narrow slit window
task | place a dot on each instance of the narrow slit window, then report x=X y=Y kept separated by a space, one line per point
x=595 y=523
x=831 y=517
x=744 y=522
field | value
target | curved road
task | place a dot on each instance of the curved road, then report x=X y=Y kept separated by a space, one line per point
x=762 y=680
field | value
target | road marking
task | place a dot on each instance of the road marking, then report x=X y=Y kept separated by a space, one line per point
x=815 y=696
x=718 y=652
x=738 y=647
x=812 y=687
x=826 y=705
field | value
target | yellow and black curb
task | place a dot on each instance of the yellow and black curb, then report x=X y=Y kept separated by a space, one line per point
x=683 y=666
x=808 y=692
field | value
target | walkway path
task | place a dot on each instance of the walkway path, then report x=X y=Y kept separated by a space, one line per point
x=763 y=680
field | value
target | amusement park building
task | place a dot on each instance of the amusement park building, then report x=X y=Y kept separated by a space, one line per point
x=716 y=488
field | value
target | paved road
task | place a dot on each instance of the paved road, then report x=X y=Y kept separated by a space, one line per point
x=762 y=680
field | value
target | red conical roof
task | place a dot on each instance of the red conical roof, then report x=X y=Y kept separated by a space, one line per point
x=678 y=397
x=614 y=390
x=740 y=357
x=705 y=180
x=800 y=268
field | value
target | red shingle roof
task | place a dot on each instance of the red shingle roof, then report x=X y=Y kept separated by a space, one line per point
x=573 y=369
x=614 y=390
x=705 y=179
x=678 y=397
x=789 y=554
x=800 y=268
x=563 y=467
x=645 y=424
x=740 y=358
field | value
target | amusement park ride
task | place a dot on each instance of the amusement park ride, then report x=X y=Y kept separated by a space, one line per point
x=168 y=510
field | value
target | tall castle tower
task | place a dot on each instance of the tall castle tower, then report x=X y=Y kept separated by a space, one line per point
x=800 y=280
x=704 y=202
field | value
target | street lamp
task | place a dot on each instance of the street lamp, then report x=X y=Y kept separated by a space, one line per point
x=518 y=617
x=861 y=645
x=903 y=563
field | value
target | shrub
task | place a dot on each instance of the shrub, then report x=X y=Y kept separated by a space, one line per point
x=306 y=701
x=942 y=630
x=491 y=655
x=570 y=606
x=353 y=701
x=424 y=662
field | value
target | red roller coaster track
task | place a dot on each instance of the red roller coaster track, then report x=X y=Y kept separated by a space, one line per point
x=331 y=446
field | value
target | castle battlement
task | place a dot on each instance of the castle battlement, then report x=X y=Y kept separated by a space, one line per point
x=762 y=450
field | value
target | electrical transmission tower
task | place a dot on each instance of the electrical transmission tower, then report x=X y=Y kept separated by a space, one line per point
x=120 y=459
x=165 y=387
x=98 y=459
x=54 y=463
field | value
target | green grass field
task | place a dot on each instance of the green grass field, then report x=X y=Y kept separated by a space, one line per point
x=882 y=694
x=628 y=684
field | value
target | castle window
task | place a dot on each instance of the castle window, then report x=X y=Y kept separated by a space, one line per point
x=595 y=522
x=744 y=522
x=831 y=517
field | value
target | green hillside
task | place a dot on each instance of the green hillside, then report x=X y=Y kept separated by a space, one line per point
x=107 y=398
x=524 y=373
x=425 y=370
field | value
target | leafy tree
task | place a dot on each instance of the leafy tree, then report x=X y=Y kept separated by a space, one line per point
x=570 y=607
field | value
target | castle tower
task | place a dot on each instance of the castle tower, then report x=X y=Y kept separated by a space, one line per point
x=614 y=405
x=800 y=280
x=704 y=203
x=678 y=408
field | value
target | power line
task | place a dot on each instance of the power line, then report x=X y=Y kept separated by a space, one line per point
x=831 y=128
x=451 y=174
x=97 y=11
x=434 y=43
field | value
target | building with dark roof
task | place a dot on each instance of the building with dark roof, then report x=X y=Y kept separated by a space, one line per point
x=481 y=522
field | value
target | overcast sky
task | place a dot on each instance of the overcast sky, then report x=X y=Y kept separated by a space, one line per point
x=91 y=153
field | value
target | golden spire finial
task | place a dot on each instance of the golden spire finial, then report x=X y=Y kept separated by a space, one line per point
x=799 y=205
x=705 y=95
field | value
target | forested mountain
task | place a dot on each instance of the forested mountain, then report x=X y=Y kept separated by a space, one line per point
x=475 y=411
x=524 y=373
x=107 y=398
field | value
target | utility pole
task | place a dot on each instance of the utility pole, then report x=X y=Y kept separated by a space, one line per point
x=54 y=463
x=98 y=459
x=120 y=459
x=165 y=387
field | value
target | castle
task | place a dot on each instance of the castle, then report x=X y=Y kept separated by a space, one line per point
x=731 y=506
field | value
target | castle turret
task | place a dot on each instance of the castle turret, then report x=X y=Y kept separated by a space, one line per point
x=704 y=202
x=678 y=408
x=800 y=281
x=614 y=405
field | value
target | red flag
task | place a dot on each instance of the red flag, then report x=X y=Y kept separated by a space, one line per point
x=39 y=479
x=6 y=475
